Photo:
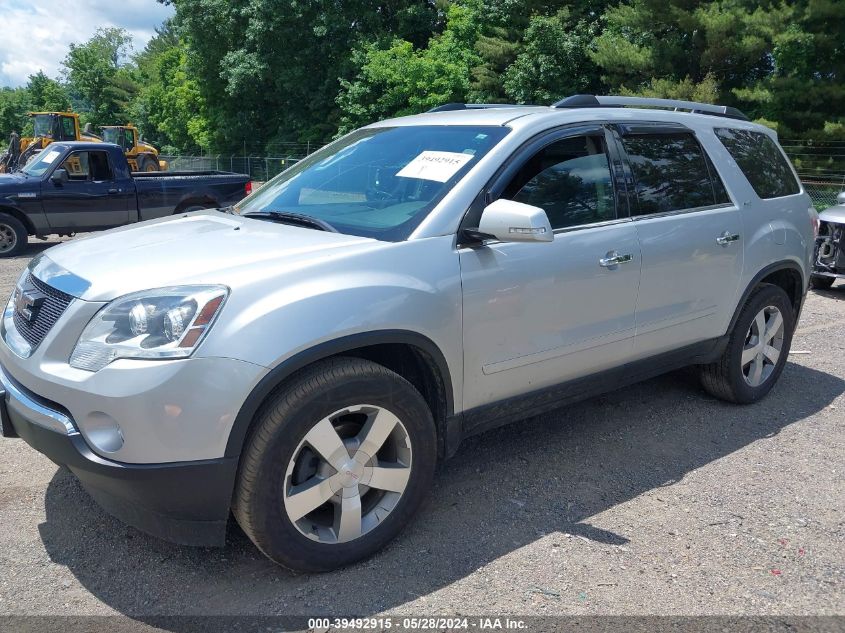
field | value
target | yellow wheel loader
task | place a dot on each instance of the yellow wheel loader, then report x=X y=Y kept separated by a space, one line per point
x=47 y=128
x=141 y=155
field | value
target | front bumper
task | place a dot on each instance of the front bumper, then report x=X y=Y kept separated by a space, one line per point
x=182 y=502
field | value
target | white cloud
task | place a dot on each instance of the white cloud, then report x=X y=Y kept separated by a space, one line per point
x=36 y=33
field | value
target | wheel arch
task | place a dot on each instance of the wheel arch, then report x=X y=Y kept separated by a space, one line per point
x=786 y=274
x=413 y=356
x=21 y=217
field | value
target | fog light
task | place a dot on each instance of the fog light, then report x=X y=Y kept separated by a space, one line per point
x=103 y=432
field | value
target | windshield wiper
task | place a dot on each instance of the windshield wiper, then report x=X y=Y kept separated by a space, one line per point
x=297 y=219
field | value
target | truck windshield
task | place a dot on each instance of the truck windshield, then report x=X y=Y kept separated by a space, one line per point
x=41 y=162
x=377 y=182
x=111 y=135
x=43 y=125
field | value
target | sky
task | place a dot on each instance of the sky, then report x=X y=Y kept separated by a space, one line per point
x=34 y=34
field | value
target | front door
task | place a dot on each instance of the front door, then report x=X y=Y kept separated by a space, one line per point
x=539 y=314
x=91 y=198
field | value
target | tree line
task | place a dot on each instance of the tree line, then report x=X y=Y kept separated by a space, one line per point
x=228 y=76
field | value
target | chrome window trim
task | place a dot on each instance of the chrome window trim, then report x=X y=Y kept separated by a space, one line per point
x=46 y=270
x=34 y=411
x=591 y=225
x=664 y=214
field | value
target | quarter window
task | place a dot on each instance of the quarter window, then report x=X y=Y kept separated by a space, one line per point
x=570 y=179
x=671 y=173
x=761 y=161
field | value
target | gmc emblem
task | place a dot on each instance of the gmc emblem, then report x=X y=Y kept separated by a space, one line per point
x=28 y=302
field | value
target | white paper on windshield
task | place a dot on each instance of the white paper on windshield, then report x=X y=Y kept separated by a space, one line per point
x=431 y=165
x=50 y=156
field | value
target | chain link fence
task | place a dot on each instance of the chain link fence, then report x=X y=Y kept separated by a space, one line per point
x=259 y=168
x=823 y=192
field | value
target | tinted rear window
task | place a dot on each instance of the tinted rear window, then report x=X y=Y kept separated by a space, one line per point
x=761 y=161
x=671 y=173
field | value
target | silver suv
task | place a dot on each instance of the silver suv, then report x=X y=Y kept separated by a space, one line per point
x=306 y=359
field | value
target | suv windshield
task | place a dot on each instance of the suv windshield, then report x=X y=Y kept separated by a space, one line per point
x=377 y=182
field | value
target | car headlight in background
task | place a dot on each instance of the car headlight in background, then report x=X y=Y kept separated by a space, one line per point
x=153 y=324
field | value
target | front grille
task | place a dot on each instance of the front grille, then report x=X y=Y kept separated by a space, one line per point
x=53 y=306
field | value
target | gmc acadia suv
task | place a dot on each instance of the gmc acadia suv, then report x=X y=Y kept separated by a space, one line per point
x=306 y=359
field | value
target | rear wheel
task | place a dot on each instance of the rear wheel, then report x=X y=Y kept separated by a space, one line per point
x=13 y=236
x=757 y=349
x=336 y=465
x=819 y=282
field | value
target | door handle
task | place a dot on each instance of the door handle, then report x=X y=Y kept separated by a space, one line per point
x=114 y=190
x=614 y=259
x=726 y=238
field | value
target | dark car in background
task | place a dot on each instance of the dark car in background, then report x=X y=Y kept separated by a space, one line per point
x=75 y=187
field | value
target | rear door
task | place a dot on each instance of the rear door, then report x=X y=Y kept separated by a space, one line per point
x=539 y=314
x=93 y=197
x=690 y=235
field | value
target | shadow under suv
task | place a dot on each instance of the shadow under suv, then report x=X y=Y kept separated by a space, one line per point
x=306 y=359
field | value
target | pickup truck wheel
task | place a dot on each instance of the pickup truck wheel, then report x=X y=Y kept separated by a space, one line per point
x=13 y=236
x=336 y=465
x=818 y=282
x=757 y=349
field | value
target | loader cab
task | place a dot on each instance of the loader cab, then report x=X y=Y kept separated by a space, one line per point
x=56 y=126
x=124 y=136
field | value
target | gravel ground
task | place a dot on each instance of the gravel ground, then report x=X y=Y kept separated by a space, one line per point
x=656 y=499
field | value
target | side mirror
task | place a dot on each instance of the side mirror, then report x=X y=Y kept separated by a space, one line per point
x=840 y=199
x=510 y=221
x=59 y=177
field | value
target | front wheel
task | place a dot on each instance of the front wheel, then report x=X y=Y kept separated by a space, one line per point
x=13 y=236
x=756 y=351
x=336 y=465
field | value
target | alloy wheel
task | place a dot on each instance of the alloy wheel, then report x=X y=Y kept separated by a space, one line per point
x=763 y=346
x=347 y=474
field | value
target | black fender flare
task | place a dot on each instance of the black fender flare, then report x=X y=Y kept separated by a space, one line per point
x=762 y=274
x=288 y=367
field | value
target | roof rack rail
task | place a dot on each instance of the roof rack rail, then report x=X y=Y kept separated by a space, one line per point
x=448 y=107
x=593 y=101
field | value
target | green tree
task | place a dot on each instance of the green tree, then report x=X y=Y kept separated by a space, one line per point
x=271 y=70
x=401 y=79
x=97 y=73
x=14 y=104
x=47 y=95
x=554 y=60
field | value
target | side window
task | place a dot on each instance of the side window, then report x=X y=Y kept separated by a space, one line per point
x=761 y=161
x=128 y=139
x=570 y=179
x=88 y=166
x=77 y=166
x=671 y=173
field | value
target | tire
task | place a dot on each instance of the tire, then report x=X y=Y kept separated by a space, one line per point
x=13 y=236
x=731 y=380
x=341 y=397
x=147 y=163
x=817 y=282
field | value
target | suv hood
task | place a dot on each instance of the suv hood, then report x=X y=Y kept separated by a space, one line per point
x=197 y=248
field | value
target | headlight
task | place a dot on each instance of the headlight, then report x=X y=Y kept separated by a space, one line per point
x=153 y=324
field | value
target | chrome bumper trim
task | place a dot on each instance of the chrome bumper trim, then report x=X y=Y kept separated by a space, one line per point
x=35 y=412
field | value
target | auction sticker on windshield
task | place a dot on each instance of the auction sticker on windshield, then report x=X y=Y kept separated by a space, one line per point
x=50 y=156
x=432 y=165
